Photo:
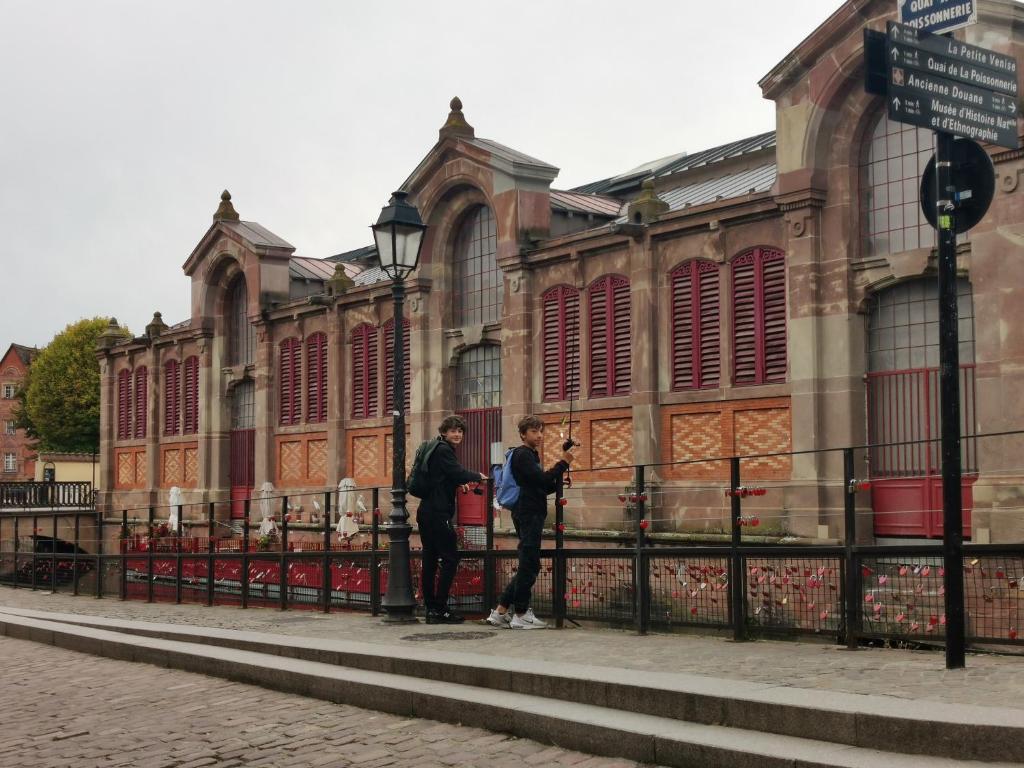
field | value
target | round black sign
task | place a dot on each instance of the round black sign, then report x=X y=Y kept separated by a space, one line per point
x=974 y=182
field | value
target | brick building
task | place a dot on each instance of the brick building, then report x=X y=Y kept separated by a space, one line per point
x=769 y=295
x=17 y=458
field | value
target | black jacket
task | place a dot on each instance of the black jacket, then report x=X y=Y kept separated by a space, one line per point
x=534 y=483
x=446 y=475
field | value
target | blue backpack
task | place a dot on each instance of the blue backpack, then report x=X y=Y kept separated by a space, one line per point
x=506 y=490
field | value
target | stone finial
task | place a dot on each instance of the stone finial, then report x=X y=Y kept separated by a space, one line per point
x=456 y=124
x=226 y=211
x=339 y=282
x=111 y=335
x=648 y=207
x=156 y=326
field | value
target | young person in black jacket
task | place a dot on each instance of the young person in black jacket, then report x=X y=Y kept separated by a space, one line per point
x=435 y=520
x=528 y=515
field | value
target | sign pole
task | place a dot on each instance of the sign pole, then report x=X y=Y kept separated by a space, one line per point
x=949 y=389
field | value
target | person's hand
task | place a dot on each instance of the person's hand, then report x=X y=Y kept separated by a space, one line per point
x=484 y=478
x=465 y=488
x=567 y=457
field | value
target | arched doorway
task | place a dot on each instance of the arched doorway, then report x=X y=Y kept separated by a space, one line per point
x=478 y=401
x=903 y=408
x=241 y=350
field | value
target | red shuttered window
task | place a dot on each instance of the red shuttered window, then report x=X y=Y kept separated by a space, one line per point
x=561 y=343
x=389 y=365
x=609 y=336
x=140 y=410
x=696 y=361
x=191 y=422
x=316 y=378
x=759 y=317
x=364 y=372
x=172 y=397
x=290 y=368
x=124 y=404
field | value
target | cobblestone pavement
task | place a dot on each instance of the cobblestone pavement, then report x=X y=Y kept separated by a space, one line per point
x=63 y=708
x=914 y=676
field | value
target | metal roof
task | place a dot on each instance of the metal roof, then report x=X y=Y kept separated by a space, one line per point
x=257 y=234
x=751 y=181
x=581 y=203
x=305 y=268
x=359 y=254
x=512 y=155
x=677 y=163
x=370 y=276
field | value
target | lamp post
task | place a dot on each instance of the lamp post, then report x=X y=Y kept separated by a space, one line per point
x=398 y=234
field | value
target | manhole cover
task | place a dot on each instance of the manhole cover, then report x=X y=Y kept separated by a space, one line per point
x=426 y=637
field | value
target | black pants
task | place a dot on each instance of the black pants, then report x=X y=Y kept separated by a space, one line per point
x=529 y=528
x=440 y=544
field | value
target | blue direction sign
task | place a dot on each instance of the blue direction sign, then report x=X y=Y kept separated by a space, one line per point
x=938 y=15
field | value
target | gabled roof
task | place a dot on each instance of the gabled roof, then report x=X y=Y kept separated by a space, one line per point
x=513 y=156
x=631 y=180
x=257 y=234
x=25 y=354
x=577 y=202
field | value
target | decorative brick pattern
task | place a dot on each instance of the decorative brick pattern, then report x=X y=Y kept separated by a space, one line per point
x=130 y=466
x=125 y=469
x=697 y=436
x=595 y=449
x=191 y=477
x=140 y=469
x=172 y=472
x=763 y=430
x=289 y=462
x=612 y=444
x=365 y=459
x=727 y=428
x=316 y=461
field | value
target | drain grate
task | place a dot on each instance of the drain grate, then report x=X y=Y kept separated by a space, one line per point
x=427 y=637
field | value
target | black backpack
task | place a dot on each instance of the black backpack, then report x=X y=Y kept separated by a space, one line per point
x=419 y=483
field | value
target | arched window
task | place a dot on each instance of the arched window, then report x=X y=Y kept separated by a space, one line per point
x=561 y=343
x=241 y=333
x=609 y=336
x=364 y=372
x=389 y=364
x=478 y=281
x=191 y=422
x=243 y=406
x=141 y=392
x=172 y=397
x=696 y=335
x=316 y=378
x=478 y=378
x=124 y=404
x=894 y=158
x=289 y=381
x=759 y=317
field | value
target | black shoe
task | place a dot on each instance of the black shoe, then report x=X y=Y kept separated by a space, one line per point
x=444 y=617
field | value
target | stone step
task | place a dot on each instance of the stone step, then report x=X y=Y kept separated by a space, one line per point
x=664 y=718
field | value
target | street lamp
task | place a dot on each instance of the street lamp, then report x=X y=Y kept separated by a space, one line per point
x=398 y=234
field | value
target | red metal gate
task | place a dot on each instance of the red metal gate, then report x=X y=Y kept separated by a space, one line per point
x=483 y=427
x=242 y=469
x=906 y=471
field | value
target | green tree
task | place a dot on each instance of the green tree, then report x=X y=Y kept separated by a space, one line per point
x=62 y=392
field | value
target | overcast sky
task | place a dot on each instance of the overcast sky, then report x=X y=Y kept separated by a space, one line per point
x=122 y=120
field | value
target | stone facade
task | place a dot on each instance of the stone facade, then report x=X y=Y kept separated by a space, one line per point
x=804 y=199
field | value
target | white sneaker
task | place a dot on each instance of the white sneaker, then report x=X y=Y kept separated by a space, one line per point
x=500 y=620
x=527 y=621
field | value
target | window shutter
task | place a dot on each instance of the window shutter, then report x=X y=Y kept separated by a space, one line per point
x=364 y=372
x=599 y=339
x=316 y=378
x=682 y=327
x=288 y=381
x=561 y=343
x=140 y=409
x=389 y=364
x=709 y=334
x=774 y=300
x=191 y=425
x=124 y=386
x=759 y=317
x=172 y=397
x=621 y=343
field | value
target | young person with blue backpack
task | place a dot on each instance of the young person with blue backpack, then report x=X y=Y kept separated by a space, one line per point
x=524 y=487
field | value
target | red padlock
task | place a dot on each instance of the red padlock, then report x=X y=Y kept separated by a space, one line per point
x=563 y=502
x=644 y=524
x=560 y=527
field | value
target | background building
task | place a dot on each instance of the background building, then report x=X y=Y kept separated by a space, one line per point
x=16 y=455
x=768 y=295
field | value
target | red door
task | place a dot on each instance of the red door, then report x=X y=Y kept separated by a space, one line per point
x=906 y=469
x=242 y=469
x=483 y=428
